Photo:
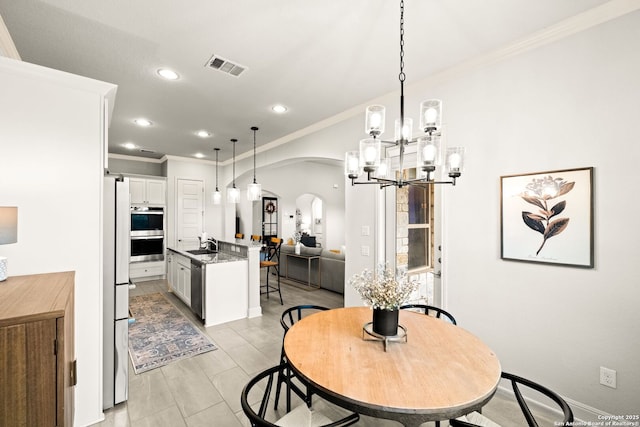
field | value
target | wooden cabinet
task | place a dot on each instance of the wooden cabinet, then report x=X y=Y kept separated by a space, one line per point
x=146 y=191
x=37 y=367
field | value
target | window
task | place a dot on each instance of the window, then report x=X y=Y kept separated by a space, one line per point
x=414 y=226
x=419 y=227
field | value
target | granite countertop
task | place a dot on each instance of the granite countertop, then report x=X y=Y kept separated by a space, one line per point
x=215 y=258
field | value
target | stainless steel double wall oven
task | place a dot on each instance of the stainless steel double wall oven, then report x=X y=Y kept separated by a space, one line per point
x=147 y=234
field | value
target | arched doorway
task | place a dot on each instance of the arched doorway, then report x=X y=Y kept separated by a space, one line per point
x=310 y=219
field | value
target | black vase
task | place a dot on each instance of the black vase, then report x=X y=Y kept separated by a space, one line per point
x=385 y=322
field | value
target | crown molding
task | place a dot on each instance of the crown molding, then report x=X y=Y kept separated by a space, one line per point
x=575 y=24
x=192 y=160
x=563 y=29
x=135 y=158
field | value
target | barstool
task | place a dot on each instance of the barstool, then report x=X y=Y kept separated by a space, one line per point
x=272 y=260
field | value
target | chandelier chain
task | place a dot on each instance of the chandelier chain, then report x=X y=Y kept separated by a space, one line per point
x=254 y=129
x=216 y=150
x=402 y=75
x=234 y=162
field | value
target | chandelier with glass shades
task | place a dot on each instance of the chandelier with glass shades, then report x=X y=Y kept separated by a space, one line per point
x=369 y=158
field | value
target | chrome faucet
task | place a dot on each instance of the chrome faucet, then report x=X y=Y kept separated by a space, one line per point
x=211 y=244
x=208 y=243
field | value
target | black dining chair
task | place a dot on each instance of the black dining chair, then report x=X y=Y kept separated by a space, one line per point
x=272 y=260
x=476 y=419
x=259 y=414
x=289 y=317
x=430 y=310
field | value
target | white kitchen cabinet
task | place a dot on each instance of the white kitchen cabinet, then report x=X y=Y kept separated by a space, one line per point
x=180 y=277
x=184 y=281
x=226 y=294
x=146 y=191
x=148 y=270
x=170 y=270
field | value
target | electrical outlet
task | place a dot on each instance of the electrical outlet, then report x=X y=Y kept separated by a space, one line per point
x=608 y=377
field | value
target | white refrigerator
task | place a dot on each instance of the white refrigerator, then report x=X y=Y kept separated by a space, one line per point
x=117 y=230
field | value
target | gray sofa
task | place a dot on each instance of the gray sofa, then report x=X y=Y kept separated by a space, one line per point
x=331 y=267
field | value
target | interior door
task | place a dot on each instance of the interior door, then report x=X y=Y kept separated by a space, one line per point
x=269 y=217
x=437 y=222
x=190 y=213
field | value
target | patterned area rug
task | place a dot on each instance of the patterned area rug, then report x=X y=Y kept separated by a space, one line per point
x=161 y=334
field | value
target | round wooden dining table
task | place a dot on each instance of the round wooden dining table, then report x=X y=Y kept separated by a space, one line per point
x=441 y=372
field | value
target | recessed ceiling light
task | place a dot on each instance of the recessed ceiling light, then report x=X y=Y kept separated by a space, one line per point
x=142 y=122
x=199 y=155
x=203 y=134
x=129 y=145
x=279 y=108
x=168 y=74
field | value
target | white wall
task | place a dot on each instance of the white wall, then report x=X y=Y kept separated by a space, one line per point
x=290 y=180
x=570 y=104
x=45 y=115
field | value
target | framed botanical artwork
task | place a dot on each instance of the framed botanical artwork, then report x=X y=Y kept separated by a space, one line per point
x=547 y=217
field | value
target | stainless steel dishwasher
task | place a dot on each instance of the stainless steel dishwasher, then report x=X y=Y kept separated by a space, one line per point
x=197 y=288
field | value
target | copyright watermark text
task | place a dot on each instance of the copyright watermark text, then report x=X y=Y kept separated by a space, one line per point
x=608 y=420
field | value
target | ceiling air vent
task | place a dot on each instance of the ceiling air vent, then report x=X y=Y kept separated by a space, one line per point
x=218 y=63
x=144 y=150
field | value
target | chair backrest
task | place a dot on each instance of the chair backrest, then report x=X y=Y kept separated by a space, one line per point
x=293 y=314
x=239 y=236
x=255 y=238
x=273 y=249
x=516 y=384
x=301 y=415
x=430 y=310
x=516 y=381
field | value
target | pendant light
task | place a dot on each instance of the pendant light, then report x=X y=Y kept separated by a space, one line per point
x=254 y=190
x=233 y=193
x=216 y=196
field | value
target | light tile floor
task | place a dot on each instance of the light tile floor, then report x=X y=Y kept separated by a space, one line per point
x=205 y=390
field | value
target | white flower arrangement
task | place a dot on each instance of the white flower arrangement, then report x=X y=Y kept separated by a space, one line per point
x=383 y=290
x=297 y=236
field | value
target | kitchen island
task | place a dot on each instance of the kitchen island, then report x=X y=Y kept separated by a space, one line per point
x=216 y=285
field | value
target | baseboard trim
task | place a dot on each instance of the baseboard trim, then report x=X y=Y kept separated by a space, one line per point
x=254 y=312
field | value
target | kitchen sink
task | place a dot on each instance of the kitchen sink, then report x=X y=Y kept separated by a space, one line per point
x=202 y=251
